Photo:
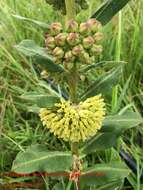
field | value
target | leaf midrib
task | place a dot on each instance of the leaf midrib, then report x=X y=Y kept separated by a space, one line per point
x=39 y=159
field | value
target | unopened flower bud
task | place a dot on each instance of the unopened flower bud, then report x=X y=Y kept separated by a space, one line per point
x=44 y=74
x=58 y=52
x=97 y=49
x=82 y=78
x=72 y=26
x=69 y=56
x=92 y=21
x=50 y=42
x=94 y=25
x=85 y=58
x=57 y=60
x=47 y=35
x=98 y=36
x=77 y=50
x=69 y=65
x=88 y=42
x=84 y=28
x=55 y=28
x=73 y=38
x=60 y=39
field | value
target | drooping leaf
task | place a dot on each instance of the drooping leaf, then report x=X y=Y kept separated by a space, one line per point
x=39 y=23
x=30 y=48
x=113 y=127
x=103 y=174
x=39 y=54
x=37 y=158
x=41 y=100
x=103 y=84
x=44 y=62
x=108 y=9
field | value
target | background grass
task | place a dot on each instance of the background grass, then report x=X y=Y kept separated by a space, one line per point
x=19 y=129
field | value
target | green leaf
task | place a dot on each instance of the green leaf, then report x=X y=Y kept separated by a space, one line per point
x=99 y=142
x=30 y=48
x=39 y=23
x=40 y=55
x=92 y=66
x=41 y=100
x=104 y=174
x=113 y=127
x=103 y=84
x=38 y=158
x=111 y=7
x=120 y=123
x=45 y=63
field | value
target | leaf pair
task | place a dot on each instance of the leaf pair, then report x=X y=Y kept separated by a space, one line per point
x=37 y=158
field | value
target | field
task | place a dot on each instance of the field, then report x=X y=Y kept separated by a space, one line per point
x=123 y=43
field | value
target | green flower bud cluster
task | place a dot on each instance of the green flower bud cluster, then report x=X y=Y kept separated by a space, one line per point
x=75 y=43
x=60 y=5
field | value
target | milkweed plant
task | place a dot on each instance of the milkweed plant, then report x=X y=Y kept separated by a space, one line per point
x=81 y=119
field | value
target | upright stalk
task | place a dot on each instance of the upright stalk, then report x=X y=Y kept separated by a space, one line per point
x=70 y=9
x=72 y=75
x=73 y=82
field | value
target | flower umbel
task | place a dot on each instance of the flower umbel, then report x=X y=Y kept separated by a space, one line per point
x=75 y=122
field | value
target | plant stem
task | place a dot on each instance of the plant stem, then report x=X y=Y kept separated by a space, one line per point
x=74 y=148
x=73 y=74
x=73 y=82
x=70 y=9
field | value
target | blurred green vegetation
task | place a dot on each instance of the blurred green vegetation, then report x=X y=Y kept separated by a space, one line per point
x=123 y=42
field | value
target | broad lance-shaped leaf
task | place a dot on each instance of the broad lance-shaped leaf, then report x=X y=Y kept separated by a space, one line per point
x=39 y=54
x=113 y=127
x=38 y=158
x=103 y=174
x=41 y=100
x=103 y=84
x=101 y=141
x=111 y=7
x=39 y=23
x=120 y=123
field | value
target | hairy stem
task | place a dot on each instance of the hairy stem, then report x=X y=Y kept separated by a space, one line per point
x=73 y=82
x=70 y=9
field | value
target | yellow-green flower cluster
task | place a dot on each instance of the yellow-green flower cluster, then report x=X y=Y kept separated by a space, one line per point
x=77 y=42
x=75 y=122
